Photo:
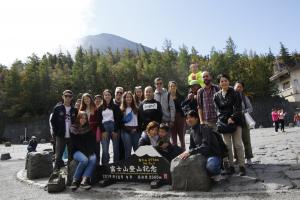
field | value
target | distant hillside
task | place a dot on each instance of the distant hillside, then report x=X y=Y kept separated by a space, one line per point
x=104 y=40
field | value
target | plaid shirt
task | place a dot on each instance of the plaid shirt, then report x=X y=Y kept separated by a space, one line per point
x=206 y=104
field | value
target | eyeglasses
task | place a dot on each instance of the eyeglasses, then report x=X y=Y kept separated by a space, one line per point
x=68 y=96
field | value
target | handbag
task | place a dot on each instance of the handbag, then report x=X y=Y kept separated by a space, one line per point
x=127 y=118
x=249 y=120
x=225 y=128
x=56 y=183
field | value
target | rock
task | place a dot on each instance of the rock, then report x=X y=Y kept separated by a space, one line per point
x=71 y=170
x=25 y=142
x=43 y=141
x=50 y=151
x=5 y=156
x=7 y=144
x=293 y=174
x=190 y=174
x=39 y=165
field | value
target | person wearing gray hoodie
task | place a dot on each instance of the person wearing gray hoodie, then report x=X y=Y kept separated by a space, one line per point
x=168 y=107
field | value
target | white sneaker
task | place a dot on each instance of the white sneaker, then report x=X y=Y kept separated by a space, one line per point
x=249 y=161
x=218 y=178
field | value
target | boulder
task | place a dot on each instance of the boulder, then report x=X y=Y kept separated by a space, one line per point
x=5 y=156
x=43 y=141
x=72 y=168
x=190 y=174
x=39 y=165
x=7 y=144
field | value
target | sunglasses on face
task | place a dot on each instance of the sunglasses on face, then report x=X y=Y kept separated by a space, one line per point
x=119 y=92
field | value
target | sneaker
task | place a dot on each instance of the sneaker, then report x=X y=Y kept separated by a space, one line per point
x=249 y=162
x=242 y=171
x=74 y=185
x=86 y=184
x=218 y=178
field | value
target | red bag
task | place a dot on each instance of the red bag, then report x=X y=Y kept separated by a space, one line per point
x=98 y=135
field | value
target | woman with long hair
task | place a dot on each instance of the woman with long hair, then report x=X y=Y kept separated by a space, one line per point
x=130 y=133
x=88 y=105
x=178 y=128
x=109 y=121
x=138 y=95
x=83 y=151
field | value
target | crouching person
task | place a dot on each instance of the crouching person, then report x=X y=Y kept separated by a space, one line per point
x=83 y=151
x=205 y=142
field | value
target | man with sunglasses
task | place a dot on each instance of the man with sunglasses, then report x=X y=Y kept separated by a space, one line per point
x=118 y=95
x=63 y=116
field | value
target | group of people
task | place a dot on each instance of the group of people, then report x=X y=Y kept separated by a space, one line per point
x=158 y=117
x=278 y=116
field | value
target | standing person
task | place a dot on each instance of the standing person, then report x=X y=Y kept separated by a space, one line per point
x=229 y=111
x=88 y=105
x=138 y=95
x=83 y=151
x=297 y=119
x=195 y=74
x=130 y=133
x=98 y=100
x=118 y=100
x=63 y=116
x=118 y=95
x=281 y=116
x=275 y=118
x=167 y=104
x=205 y=101
x=109 y=119
x=178 y=128
x=246 y=108
x=77 y=104
x=190 y=103
x=149 y=110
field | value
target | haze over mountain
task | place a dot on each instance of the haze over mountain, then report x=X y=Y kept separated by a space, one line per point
x=104 y=41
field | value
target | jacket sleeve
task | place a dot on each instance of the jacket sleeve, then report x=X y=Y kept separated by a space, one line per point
x=118 y=117
x=216 y=103
x=99 y=118
x=140 y=117
x=237 y=107
x=172 y=109
x=159 y=112
x=53 y=121
x=203 y=148
x=249 y=105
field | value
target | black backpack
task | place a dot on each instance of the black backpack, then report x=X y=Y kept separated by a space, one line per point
x=56 y=183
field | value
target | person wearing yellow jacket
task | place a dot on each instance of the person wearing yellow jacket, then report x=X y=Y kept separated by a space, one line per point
x=195 y=74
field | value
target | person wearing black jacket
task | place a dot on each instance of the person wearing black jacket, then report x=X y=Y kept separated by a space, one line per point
x=229 y=111
x=83 y=151
x=203 y=141
x=190 y=103
x=63 y=117
x=110 y=122
x=149 y=110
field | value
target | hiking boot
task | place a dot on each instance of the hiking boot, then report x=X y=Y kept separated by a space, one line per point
x=86 y=184
x=242 y=171
x=75 y=184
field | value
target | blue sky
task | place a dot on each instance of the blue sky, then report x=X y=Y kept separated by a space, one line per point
x=256 y=25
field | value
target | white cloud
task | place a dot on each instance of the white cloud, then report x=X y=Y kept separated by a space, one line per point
x=40 y=25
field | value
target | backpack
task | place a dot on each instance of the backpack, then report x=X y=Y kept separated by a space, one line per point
x=56 y=183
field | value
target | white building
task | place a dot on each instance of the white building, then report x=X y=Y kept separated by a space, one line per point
x=288 y=82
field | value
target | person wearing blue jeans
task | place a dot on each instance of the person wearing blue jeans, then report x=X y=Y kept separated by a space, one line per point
x=83 y=151
x=130 y=133
x=108 y=135
x=204 y=141
x=110 y=121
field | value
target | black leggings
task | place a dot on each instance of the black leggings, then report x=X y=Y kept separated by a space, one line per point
x=281 y=121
